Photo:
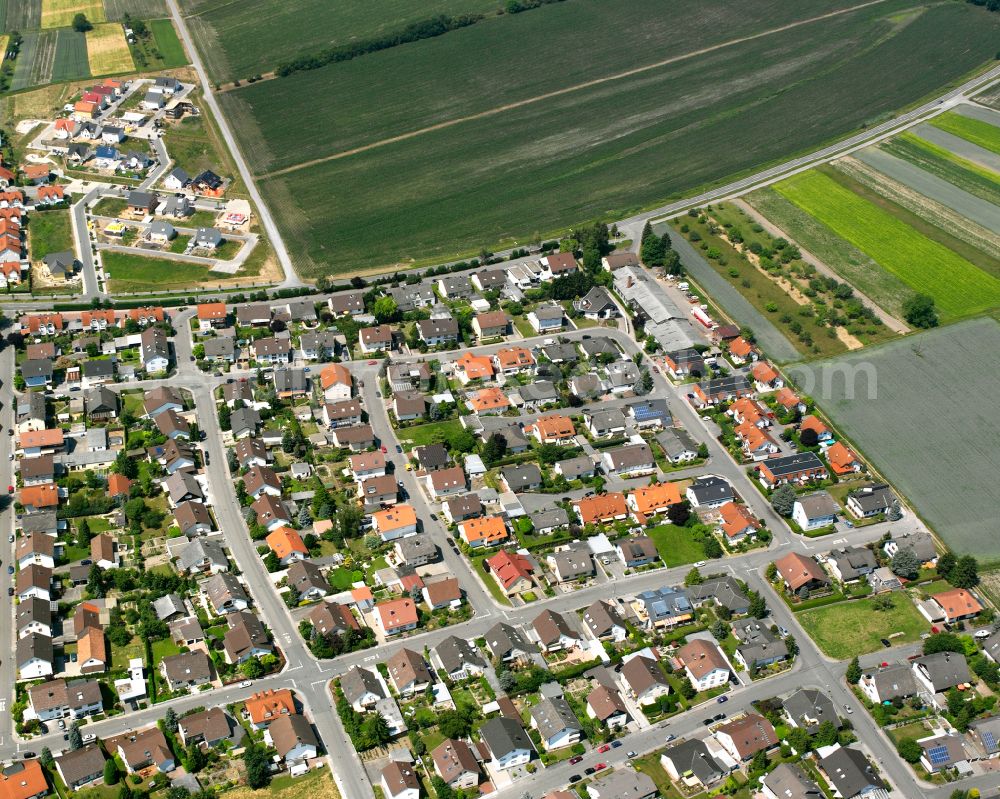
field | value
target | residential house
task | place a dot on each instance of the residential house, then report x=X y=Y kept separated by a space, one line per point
x=186 y=670
x=710 y=491
x=455 y=763
x=460 y=658
x=265 y=707
x=636 y=551
x=546 y=318
x=704 y=663
x=851 y=564
x=744 y=737
x=396 y=616
x=691 y=763
x=801 y=573
x=624 y=783
x=789 y=781
x=362 y=689
x=871 y=500
x=507 y=644
x=604 y=622
x=800 y=469
x=512 y=571
x=409 y=672
x=808 y=708
x=507 y=742
x=644 y=680
x=399 y=780
x=293 y=739
x=554 y=632
x=556 y=723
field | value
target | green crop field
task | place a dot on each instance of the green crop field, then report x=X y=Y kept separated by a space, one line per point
x=978 y=132
x=958 y=287
x=49 y=232
x=946 y=165
x=929 y=427
x=71 y=60
x=242 y=39
x=597 y=150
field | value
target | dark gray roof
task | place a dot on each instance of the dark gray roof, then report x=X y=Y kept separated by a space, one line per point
x=503 y=736
x=521 y=476
x=357 y=682
x=549 y=517
x=724 y=590
x=808 y=703
x=553 y=716
x=455 y=653
x=944 y=669
x=415 y=547
x=503 y=638
x=711 y=489
x=601 y=618
x=850 y=772
x=873 y=498
x=789 y=781
x=692 y=756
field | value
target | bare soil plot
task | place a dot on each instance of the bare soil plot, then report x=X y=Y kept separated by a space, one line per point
x=107 y=50
x=930 y=426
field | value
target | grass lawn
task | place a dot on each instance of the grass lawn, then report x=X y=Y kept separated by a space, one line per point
x=342 y=579
x=109 y=206
x=650 y=766
x=48 y=232
x=915 y=730
x=164 y=648
x=978 y=132
x=957 y=286
x=847 y=629
x=430 y=167
x=190 y=146
x=128 y=272
x=169 y=46
x=120 y=655
x=424 y=434
x=676 y=545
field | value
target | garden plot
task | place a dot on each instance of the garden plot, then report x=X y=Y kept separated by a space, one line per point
x=931 y=428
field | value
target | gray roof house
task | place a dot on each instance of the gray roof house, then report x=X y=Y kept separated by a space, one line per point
x=556 y=723
x=460 y=658
x=852 y=775
x=691 y=761
x=789 y=781
x=808 y=708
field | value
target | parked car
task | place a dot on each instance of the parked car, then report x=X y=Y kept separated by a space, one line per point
x=604 y=748
x=589 y=770
x=574 y=760
x=721 y=699
x=574 y=778
x=600 y=766
x=615 y=744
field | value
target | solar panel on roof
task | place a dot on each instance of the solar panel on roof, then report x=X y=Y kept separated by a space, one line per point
x=990 y=740
x=938 y=755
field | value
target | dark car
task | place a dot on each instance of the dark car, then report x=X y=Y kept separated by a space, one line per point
x=27 y=755
x=615 y=744
x=86 y=562
x=10 y=591
x=590 y=770
x=10 y=570
x=886 y=643
x=399 y=448
x=719 y=717
x=574 y=760
x=708 y=722
x=574 y=778
x=434 y=517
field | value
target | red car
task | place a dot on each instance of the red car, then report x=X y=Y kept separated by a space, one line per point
x=384 y=450
x=372 y=363
x=600 y=766
x=605 y=748
x=574 y=760
x=10 y=489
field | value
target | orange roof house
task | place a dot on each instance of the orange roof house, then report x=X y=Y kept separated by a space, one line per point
x=489 y=400
x=513 y=359
x=287 y=544
x=24 y=782
x=35 y=171
x=266 y=706
x=85 y=109
x=92 y=650
x=787 y=398
x=511 y=570
x=765 y=374
x=748 y=410
x=395 y=522
x=553 y=429
x=118 y=484
x=654 y=498
x=741 y=349
x=957 y=604
x=334 y=374
x=756 y=443
x=147 y=315
x=396 y=615
x=602 y=508
x=842 y=460
x=53 y=193
x=212 y=312
x=815 y=424
x=40 y=496
x=483 y=531
x=474 y=367
x=737 y=521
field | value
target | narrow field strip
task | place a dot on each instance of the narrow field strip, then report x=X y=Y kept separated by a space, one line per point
x=107 y=50
x=935 y=160
x=958 y=286
x=976 y=131
x=566 y=90
x=60 y=13
x=957 y=208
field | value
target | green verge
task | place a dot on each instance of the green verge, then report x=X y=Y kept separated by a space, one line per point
x=957 y=286
x=942 y=163
x=169 y=46
x=976 y=131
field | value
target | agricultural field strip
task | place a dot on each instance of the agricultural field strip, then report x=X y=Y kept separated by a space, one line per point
x=959 y=146
x=70 y=56
x=107 y=50
x=60 y=13
x=926 y=266
x=980 y=133
x=960 y=204
x=974 y=111
x=942 y=454
x=446 y=194
x=946 y=165
x=571 y=89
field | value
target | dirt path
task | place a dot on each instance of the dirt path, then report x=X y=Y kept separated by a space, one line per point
x=887 y=318
x=568 y=90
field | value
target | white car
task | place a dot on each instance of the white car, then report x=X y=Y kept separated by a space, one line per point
x=981 y=634
x=700 y=564
x=246 y=683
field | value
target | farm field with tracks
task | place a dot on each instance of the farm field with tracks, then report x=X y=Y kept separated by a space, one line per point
x=942 y=453
x=107 y=50
x=980 y=133
x=485 y=160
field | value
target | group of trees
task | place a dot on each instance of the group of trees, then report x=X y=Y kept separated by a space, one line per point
x=919 y=311
x=366 y=730
x=659 y=251
x=961 y=572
